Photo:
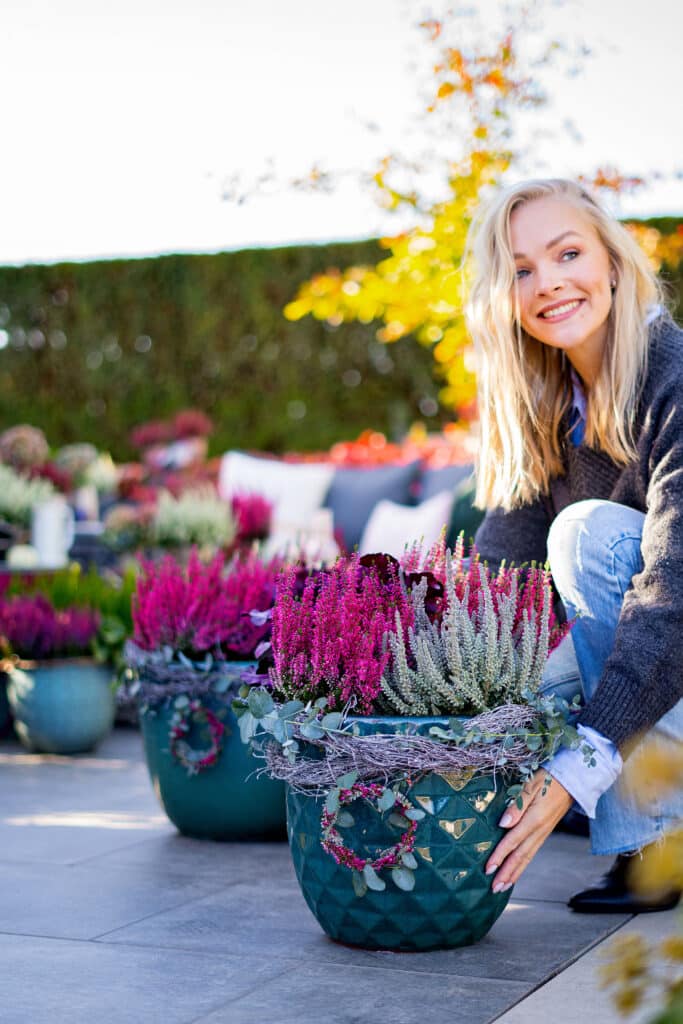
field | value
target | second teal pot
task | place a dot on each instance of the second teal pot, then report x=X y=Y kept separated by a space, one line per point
x=225 y=801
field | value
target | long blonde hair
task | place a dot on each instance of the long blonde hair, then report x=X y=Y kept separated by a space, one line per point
x=523 y=383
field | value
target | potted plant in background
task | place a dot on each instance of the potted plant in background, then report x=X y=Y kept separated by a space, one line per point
x=409 y=696
x=60 y=697
x=192 y=639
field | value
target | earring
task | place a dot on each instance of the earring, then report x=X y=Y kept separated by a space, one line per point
x=613 y=286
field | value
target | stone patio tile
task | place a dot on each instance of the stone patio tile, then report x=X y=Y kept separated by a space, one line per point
x=56 y=981
x=229 y=862
x=314 y=993
x=577 y=989
x=84 y=902
x=565 y=867
x=271 y=918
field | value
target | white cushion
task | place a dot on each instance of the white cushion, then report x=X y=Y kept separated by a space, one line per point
x=391 y=527
x=296 y=490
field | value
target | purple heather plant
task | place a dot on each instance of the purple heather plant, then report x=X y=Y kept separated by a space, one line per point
x=31 y=628
x=203 y=608
x=327 y=637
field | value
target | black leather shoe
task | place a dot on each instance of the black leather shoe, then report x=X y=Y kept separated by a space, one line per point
x=613 y=895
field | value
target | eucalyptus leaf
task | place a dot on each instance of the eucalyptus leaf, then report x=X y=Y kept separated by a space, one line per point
x=372 y=879
x=292 y=707
x=403 y=878
x=387 y=800
x=360 y=886
x=260 y=702
x=399 y=820
x=345 y=819
x=332 y=720
x=222 y=685
x=248 y=726
x=181 y=702
x=332 y=801
x=346 y=781
x=415 y=814
x=312 y=730
x=409 y=861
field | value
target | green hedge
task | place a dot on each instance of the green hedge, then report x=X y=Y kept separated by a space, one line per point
x=96 y=348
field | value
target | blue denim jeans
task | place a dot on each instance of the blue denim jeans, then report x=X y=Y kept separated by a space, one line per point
x=594 y=551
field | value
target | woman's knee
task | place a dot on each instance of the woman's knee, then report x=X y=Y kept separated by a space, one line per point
x=591 y=537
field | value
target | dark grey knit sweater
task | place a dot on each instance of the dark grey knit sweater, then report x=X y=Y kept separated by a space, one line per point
x=643 y=677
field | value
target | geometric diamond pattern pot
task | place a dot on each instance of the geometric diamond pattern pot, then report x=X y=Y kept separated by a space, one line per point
x=224 y=801
x=452 y=903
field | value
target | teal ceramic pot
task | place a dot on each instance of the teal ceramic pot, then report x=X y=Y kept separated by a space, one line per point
x=224 y=801
x=452 y=903
x=64 y=706
x=5 y=716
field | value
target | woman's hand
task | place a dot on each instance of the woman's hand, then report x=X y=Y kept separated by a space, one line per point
x=529 y=828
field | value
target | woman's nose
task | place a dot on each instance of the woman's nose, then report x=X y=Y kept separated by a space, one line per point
x=548 y=282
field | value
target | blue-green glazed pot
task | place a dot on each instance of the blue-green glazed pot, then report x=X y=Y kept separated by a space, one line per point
x=452 y=903
x=5 y=716
x=225 y=801
x=64 y=706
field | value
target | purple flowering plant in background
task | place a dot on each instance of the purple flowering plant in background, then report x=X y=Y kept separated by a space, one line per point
x=31 y=628
x=203 y=608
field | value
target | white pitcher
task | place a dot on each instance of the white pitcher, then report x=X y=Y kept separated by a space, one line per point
x=52 y=531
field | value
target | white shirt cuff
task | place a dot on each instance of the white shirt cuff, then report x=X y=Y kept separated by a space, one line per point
x=586 y=782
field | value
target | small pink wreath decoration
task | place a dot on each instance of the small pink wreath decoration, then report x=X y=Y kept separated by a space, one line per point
x=333 y=844
x=195 y=761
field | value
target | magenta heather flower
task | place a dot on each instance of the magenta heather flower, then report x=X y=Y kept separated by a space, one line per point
x=202 y=608
x=327 y=641
x=33 y=629
x=252 y=513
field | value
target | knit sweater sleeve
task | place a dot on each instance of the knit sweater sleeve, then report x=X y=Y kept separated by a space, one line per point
x=517 y=537
x=643 y=677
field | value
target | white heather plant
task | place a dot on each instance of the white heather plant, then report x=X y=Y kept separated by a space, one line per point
x=196 y=517
x=487 y=648
x=19 y=494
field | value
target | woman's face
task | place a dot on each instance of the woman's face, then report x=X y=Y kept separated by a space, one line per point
x=563 y=278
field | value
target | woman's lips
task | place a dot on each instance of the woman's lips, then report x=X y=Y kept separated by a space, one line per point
x=553 y=317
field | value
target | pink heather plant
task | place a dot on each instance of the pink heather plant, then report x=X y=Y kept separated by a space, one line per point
x=252 y=512
x=32 y=629
x=328 y=641
x=249 y=587
x=202 y=609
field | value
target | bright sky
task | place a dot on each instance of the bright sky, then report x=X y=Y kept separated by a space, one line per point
x=122 y=121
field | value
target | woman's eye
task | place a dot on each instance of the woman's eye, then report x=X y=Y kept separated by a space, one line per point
x=519 y=273
x=571 y=253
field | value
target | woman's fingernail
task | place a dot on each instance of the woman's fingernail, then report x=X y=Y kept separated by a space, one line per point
x=505 y=820
x=491 y=868
x=502 y=886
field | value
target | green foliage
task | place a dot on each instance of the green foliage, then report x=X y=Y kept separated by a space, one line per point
x=80 y=364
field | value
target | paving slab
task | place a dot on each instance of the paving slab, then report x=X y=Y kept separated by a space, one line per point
x=328 y=994
x=57 y=981
x=270 y=918
x=577 y=989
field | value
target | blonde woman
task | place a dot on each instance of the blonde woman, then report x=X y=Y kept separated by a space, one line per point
x=580 y=373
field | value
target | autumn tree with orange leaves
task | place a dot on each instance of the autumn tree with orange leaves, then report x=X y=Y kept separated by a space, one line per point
x=418 y=288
